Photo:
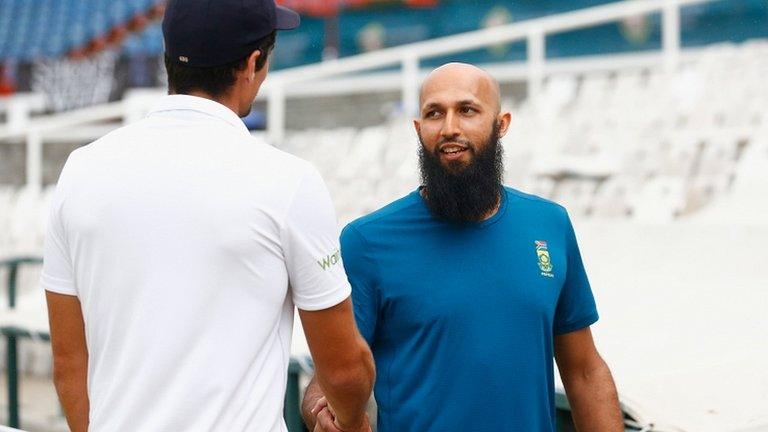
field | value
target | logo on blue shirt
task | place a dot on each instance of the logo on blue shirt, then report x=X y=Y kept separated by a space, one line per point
x=545 y=263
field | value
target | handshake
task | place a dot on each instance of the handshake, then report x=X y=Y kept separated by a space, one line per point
x=322 y=418
x=337 y=396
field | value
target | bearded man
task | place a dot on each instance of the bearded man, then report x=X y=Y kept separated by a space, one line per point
x=466 y=289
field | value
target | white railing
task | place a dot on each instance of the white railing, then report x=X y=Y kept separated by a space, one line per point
x=282 y=83
x=534 y=32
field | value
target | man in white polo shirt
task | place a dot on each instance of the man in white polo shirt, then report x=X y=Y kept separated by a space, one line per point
x=179 y=245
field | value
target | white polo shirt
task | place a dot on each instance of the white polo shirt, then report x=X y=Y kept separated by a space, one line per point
x=188 y=242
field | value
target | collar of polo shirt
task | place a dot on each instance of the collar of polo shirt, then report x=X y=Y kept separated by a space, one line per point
x=202 y=105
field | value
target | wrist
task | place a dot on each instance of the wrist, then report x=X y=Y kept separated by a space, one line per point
x=358 y=424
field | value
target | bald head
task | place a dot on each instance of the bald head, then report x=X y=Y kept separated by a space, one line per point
x=462 y=77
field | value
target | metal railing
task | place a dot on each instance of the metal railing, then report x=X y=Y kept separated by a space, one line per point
x=13 y=334
x=533 y=31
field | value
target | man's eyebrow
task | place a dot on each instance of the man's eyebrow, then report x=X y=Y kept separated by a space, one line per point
x=463 y=102
x=431 y=105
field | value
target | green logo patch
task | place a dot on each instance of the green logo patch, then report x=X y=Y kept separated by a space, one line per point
x=545 y=262
x=330 y=260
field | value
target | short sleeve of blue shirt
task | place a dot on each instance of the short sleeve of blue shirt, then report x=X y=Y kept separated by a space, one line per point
x=576 y=307
x=361 y=272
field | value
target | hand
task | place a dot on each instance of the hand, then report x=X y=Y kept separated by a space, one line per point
x=319 y=405
x=325 y=419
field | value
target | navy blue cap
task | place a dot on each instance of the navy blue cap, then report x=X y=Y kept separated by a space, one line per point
x=210 y=33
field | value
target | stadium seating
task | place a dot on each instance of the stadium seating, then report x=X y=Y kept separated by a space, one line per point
x=624 y=143
x=30 y=30
x=23 y=214
x=639 y=144
x=51 y=28
x=148 y=42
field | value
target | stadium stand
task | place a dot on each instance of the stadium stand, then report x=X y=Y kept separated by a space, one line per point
x=41 y=31
x=53 y=28
x=365 y=25
x=637 y=144
x=632 y=144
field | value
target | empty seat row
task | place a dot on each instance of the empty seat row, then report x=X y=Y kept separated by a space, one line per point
x=50 y=28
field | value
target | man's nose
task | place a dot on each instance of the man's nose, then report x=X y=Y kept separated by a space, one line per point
x=451 y=127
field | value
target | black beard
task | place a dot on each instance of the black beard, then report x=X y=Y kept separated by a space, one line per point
x=464 y=193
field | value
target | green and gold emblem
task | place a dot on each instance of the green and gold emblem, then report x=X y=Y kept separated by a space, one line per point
x=545 y=262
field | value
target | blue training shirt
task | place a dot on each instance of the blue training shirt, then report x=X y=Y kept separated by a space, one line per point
x=461 y=317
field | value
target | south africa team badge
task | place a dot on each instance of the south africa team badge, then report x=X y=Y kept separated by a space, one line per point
x=545 y=263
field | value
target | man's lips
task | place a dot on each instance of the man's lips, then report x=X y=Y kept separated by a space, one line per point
x=452 y=151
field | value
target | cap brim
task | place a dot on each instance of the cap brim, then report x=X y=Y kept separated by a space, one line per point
x=287 y=19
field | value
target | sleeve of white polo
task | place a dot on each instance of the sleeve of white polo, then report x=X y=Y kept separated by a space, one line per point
x=311 y=246
x=58 y=272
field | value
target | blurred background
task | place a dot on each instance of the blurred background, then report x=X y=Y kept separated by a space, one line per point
x=646 y=119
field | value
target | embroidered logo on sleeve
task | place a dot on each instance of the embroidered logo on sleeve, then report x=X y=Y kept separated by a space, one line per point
x=545 y=263
x=330 y=260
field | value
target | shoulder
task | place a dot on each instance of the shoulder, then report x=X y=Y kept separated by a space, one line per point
x=537 y=211
x=533 y=201
x=104 y=146
x=287 y=163
x=285 y=172
x=393 y=211
x=382 y=223
x=522 y=200
x=84 y=157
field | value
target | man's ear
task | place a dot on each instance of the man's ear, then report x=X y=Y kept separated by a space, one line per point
x=250 y=67
x=504 y=119
x=417 y=126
